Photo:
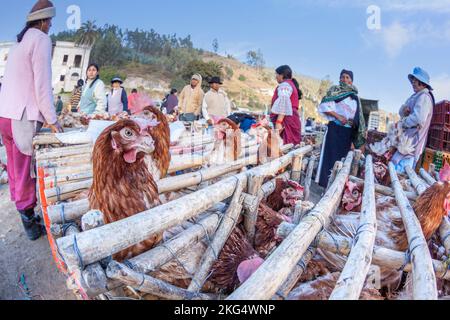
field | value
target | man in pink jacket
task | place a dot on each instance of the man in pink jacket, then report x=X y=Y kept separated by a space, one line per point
x=26 y=102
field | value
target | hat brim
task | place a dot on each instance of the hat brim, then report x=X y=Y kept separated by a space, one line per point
x=411 y=77
x=215 y=82
x=42 y=14
x=117 y=80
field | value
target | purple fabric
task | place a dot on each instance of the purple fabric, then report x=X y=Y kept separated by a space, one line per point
x=22 y=187
x=292 y=132
x=172 y=102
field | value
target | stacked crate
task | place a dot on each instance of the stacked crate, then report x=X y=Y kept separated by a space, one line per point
x=438 y=151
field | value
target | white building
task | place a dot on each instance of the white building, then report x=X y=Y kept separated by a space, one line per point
x=69 y=64
x=381 y=120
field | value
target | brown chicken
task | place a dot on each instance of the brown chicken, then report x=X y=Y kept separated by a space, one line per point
x=237 y=262
x=122 y=185
x=160 y=133
x=227 y=146
x=278 y=208
x=431 y=207
x=269 y=142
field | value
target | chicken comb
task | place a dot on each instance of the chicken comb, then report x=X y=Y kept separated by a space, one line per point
x=142 y=100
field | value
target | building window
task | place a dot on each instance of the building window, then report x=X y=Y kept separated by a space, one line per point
x=65 y=59
x=62 y=78
x=77 y=61
x=75 y=76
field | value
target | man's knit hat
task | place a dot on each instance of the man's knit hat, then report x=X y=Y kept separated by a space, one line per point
x=43 y=9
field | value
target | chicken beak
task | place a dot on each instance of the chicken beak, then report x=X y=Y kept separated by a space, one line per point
x=146 y=145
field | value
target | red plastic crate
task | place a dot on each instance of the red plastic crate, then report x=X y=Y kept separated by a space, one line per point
x=439 y=138
x=441 y=114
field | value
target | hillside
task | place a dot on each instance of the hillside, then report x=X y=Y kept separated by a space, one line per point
x=247 y=87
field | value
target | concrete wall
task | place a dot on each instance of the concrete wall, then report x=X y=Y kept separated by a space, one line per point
x=69 y=64
x=69 y=70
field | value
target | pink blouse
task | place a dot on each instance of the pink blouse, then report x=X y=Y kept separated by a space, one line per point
x=27 y=83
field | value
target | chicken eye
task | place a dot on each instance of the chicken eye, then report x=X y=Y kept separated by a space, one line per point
x=128 y=133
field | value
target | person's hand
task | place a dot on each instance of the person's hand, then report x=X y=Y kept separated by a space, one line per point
x=407 y=111
x=56 y=128
x=279 y=127
x=342 y=120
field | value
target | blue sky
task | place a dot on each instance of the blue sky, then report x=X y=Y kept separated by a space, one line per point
x=316 y=37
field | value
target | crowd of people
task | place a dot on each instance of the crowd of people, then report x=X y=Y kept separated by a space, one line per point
x=26 y=103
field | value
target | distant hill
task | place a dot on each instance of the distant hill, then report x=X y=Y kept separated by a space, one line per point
x=247 y=87
x=154 y=62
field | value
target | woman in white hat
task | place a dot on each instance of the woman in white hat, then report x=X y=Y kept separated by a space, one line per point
x=416 y=116
x=26 y=102
x=117 y=98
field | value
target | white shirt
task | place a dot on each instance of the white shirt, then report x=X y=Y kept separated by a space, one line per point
x=346 y=108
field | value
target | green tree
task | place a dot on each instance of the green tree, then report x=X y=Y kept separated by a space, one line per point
x=205 y=69
x=87 y=34
x=256 y=59
x=215 y=45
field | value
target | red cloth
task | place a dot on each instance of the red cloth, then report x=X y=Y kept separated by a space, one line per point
x=292 y=132
x=22 y=187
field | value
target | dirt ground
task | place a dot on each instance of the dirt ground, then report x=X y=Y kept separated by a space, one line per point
x=20 y=258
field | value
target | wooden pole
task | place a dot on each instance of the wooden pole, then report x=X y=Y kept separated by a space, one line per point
x=308 y=179
x=386 y=191
x=383 y=257
x=353 y=277
x=97 y=244
x=222 y=234
x=152 y=260
x=424 y=278
x=74 y=210
x=337 y=167
x=355 y=165
x=417 y=183
x=254 y=187
x=100 y=243
x=444 y=232
x=427 y=177
x=265 y=282
x=296 y=172
x=150 y=285
x=296 y=274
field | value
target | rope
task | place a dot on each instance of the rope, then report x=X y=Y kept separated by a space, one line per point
x=67 y=226
x=407 y=261
x=62 y=214
x=77 y=252
x=362 y=228
x=181 y=264
x=129 y=264
x=58 y=194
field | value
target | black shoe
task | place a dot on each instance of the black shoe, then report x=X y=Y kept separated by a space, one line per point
x=31 y=226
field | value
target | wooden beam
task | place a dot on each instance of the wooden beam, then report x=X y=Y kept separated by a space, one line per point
x=97 y=244
x=424 y=278
x=264 y=283
x=224 y=231
x=427 y=177
x=386 y=191
x=308 y=179
x=418 y=184
x=353 y=277
x=150 y=285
